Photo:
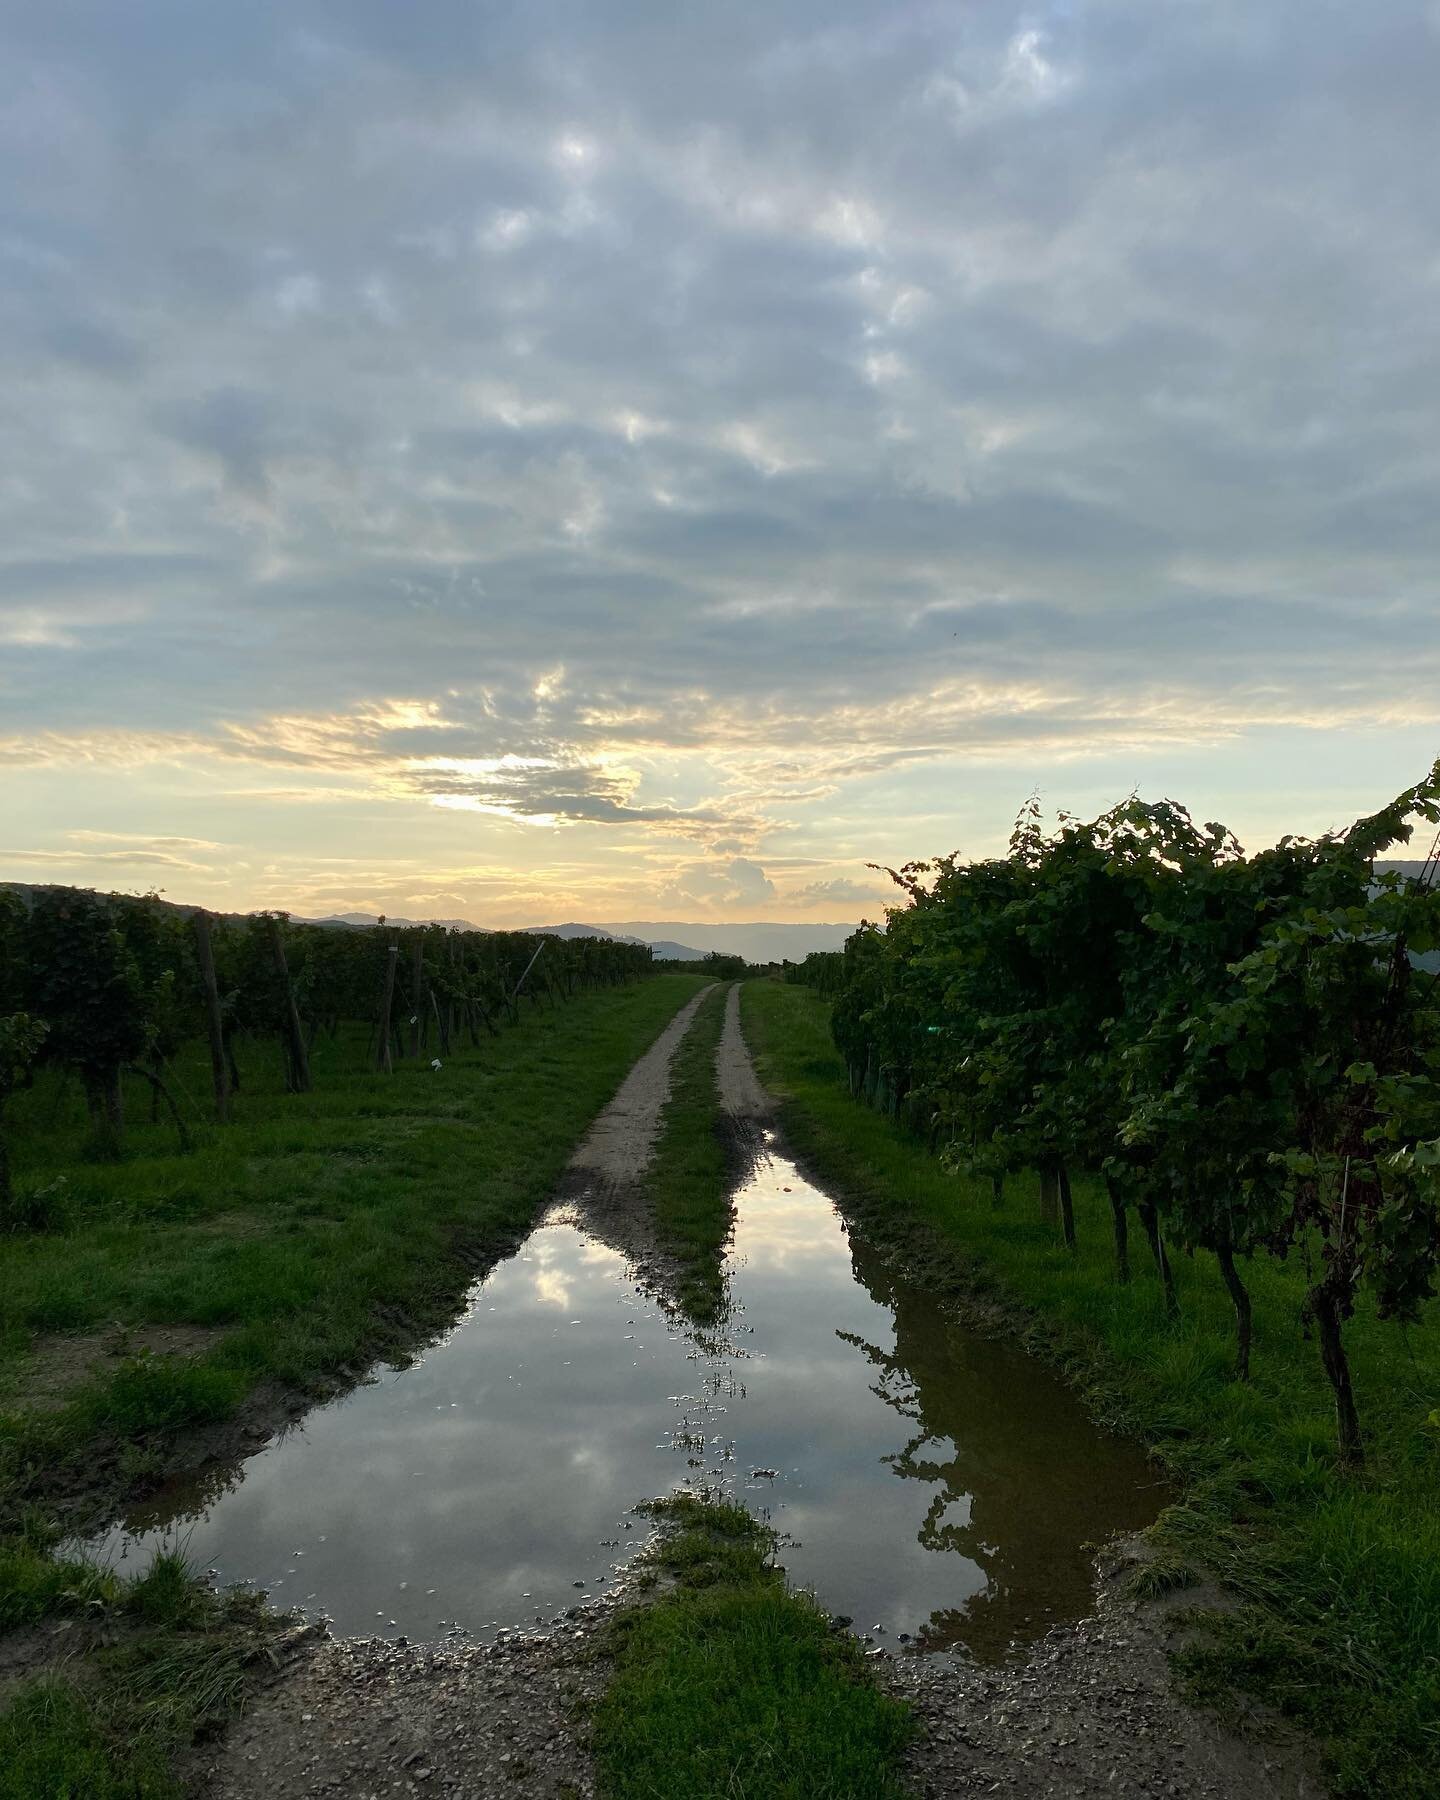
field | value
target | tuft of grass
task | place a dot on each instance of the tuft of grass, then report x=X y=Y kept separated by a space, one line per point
x=167 y=1593
x=1338 y=1574
x=690 y=1177
x=35 y=1585
x=164 y=1660
x=155 y=1394
x=1164 y=1573
x=733 y=1686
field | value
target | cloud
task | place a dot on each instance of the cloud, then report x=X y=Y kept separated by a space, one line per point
x=840 y=890
x=719 y=884
x=140 y=859
x=707 y=434
x=142 y=841
x=548 y=793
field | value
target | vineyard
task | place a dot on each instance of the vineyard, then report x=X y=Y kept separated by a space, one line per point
x=1247 y=1048
x=107 y=991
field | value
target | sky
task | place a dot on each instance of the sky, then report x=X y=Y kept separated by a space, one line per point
x=605 y=461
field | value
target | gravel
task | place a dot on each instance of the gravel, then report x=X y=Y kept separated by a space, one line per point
x=1090 y=1710
x=362 y=1717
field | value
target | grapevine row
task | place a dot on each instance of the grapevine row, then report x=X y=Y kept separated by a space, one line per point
x=1246 y=1048
x=100 y=986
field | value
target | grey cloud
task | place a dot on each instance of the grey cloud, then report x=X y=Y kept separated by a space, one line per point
x=575 y=794
x=233 y=427
x=93 y=346
x=849 y=358
x=838 y=891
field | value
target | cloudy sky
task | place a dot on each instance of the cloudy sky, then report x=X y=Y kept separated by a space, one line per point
x=611 y=461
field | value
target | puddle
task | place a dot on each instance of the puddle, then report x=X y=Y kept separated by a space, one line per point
x=930 y=1482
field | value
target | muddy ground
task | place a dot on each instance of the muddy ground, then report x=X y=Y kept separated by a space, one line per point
x=1089 y=1711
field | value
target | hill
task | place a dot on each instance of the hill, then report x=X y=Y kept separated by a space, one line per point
x=666 y=949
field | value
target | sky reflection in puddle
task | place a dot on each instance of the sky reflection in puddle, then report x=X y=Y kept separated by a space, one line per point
x=931 y=1482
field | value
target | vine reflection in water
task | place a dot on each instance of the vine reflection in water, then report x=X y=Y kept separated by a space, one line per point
x=927 y=1480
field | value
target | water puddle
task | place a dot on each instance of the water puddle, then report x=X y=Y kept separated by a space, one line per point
x=931 y=1483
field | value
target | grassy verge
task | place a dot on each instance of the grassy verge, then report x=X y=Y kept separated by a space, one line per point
x=690 y=1177
x=140 y=1669
x=1338 y=1575
x=312 y=1232
x=730 y=1687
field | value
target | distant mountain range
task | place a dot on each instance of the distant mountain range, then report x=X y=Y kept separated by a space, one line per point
x=665 y=949
x=760 y=941
x=368 y=919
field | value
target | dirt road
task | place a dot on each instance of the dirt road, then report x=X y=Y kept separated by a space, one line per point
x=1089 y=1712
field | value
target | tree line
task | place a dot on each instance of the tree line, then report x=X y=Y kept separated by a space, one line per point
x=99 y=986
x=1245 y=1048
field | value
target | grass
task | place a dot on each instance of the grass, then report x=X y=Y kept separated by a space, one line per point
x=690 y=1177
x=1338 y=1575
x=312 y=1232
x=731 y=1687
x=153 y=1662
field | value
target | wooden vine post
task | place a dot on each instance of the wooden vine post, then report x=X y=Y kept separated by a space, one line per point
x=297 y=1061
x=1067 y=1205
x=219 y=1071
x=382 y=1056
x=417 y=992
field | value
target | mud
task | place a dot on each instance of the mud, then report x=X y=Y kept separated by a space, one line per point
x=1091 y=1712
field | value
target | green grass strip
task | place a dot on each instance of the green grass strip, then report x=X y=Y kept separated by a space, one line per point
x=730 y=1687
x=690 y=1178
x=1339 y=1574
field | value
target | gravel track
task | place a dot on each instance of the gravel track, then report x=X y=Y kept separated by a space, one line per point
x=363 y=1717
x=618 y=1146
x=744 y=1102
x=603 y=1189
x=1090 y=1711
